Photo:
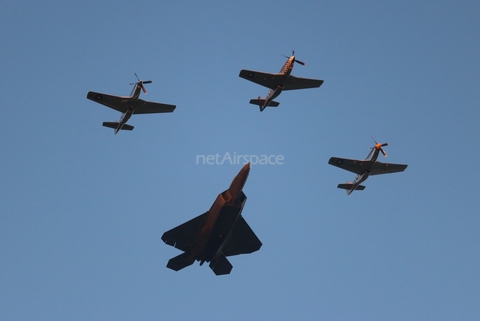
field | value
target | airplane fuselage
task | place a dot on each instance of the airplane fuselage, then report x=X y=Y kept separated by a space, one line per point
x=137 y=90
x=129 y=112
x=359 y=179
x=220 y=220
x=274 y=93
x=124 y=118
x=221 y=232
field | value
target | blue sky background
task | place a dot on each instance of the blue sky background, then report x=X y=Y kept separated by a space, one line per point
x=82 y=210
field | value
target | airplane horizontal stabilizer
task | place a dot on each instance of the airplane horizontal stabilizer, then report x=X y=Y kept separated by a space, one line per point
x=114 y=125
x=221 y=266
x=260 y=102
x=348 y=186
x=179 y=262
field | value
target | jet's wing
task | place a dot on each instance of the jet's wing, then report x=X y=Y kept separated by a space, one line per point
x=302 y=83
x=268 y=80
x=352 y=165
x=243 y=240
x=385 y=168
x=145 y=107
x=115 y=102
x=183 y=236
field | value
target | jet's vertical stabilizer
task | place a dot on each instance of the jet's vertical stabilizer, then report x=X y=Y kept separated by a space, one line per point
x=221 y=266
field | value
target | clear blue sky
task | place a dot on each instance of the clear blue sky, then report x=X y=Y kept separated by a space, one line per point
x=82 y=210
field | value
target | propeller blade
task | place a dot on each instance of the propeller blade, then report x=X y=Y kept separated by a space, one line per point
x=295 y=60
x=385 y=144
x=383 y=152
x=140 y=84
x=300 y=62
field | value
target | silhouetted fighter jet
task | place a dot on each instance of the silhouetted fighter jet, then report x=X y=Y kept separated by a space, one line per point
x=216 y=234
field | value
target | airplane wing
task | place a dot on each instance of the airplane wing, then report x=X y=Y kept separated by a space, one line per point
x=302 y=83
x=115 y=102
x=385 y=168
x=145 y=107
x=183 y=236
x=123 y=103
x=352 y=165
x=243 y=240
x=262 y=78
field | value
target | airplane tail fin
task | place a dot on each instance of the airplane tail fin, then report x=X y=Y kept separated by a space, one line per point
x=260 y=102
x=348 y=187
x=179 y=262
x=114 y=125
x=221 y=266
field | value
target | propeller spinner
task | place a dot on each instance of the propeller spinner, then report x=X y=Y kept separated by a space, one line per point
x=378 y=146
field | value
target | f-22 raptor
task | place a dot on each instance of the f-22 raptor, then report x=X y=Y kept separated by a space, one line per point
x=220 y=232
x=128 y=105
x=278 y=82
x=365 y=168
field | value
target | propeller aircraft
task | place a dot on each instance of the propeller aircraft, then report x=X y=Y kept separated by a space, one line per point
x=278 y=82
x=128 y=105
x=365 y=168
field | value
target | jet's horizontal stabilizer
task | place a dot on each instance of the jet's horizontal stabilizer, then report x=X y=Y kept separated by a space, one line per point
x=114 y=125
x=349 y=186
x=221 y=266
x=261 y=101
x=179 y=262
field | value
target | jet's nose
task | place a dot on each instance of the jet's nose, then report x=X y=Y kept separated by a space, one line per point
x=243 y=174
x=245 y=170
x=239 y=180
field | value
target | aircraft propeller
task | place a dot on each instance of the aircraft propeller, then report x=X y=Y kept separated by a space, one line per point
x=378 y=146
x=294 y=59
x=140 y=83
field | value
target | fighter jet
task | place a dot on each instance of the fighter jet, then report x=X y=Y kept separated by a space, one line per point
x=220 y=232
x=278 y=82
x=365 y=168
x=128 y=105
